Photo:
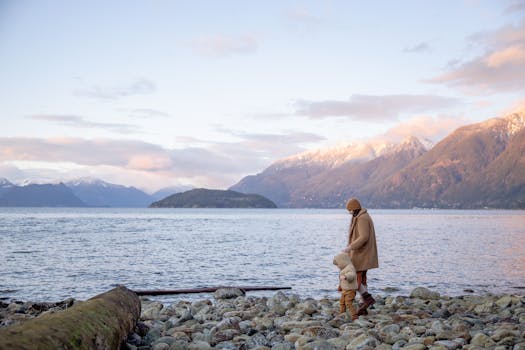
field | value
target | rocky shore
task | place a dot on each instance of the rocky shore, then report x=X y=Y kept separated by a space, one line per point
x=233 y=320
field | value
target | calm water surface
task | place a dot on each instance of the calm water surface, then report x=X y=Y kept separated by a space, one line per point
x=50 y=254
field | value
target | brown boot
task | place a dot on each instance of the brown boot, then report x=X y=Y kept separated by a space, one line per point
x=367 y=302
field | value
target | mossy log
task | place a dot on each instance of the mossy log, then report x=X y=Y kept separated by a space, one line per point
x=102 y=322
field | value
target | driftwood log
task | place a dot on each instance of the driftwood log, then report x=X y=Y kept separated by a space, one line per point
x=203 y=290
x=102 y=322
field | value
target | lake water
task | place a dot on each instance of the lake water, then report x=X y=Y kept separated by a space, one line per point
x=49 y=254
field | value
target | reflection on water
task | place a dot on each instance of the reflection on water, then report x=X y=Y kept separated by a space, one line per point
x=51 y=254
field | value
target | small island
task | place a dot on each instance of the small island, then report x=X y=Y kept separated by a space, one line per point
x=205 y=198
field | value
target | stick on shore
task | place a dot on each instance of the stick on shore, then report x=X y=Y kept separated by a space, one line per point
x=204 y=290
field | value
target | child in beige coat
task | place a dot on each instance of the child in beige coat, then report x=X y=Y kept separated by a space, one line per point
x=347 y=283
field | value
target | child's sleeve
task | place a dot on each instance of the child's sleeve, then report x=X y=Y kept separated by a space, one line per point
x=350 y=275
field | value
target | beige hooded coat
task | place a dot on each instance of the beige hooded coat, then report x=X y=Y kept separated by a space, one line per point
x=344 y=263
x=362 y=239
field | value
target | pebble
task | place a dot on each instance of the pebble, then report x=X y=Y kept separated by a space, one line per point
x=232 y=320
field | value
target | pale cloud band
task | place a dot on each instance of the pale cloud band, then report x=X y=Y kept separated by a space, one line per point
x=220 y=163
x=80 y=122
x=138 y=87
x=500 y=69
x=422 y=47
x=433 y=128
x=374 y=107
x=220 y=45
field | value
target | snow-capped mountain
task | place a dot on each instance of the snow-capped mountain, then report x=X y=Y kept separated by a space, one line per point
x=478 y=165
x=5 y=185
x=40 y=195
x=5 y=182
x=321 y=178
x=335 y=156
x=99 y=193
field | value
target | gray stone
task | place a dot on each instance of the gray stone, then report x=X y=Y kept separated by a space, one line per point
x=152 y=336
x=245 y=326
x=504 y=333
x=228 y=293
x=482 y=340
x=424 y=293
x=151 y=311
x=257 y=340
x=399 y=344
x=229 y=323
x=391 y=328
x=317 y=345
x=484 y=308
x=288 y=326
x=262 y=323
x=227 y=346
x=280 y=303
x=309 y=307
x=383 y=347
x=416 y=346
x=165 y=340
x=504 y=301
x=438 y=347
x=199 y=345
x=320 y=332
x=283 y=346
x=160 y=346
x=341 y=342
x=449 y=344
x=219 y=336
x=362 y=341
x=179 y=345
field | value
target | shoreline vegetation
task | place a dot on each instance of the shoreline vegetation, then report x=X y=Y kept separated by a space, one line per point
x=230 y=319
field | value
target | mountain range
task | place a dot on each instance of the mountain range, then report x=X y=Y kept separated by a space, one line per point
x=476 y=166
x=480 y=165
x=83 y=192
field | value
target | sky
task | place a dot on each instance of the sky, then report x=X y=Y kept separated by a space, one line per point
x=157 y=93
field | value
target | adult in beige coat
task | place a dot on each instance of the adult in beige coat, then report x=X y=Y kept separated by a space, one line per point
x=362 y=248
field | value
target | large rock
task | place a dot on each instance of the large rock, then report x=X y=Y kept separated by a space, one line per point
x=102 y=322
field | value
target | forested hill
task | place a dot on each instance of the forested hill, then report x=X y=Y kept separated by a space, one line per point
x=204 y=198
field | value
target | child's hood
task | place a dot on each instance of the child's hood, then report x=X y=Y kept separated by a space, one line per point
x=342 y=260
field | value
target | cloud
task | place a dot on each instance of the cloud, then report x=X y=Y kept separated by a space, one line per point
x=215 y=163
x=374 y=107
x=433 y=128
x=516 y=7
x=137 y=87
x=80 y=122
x=147 y=113
x=501 y=68
x=422 y=47
x=513 y=55
x=222 y=45
x=301 y=14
